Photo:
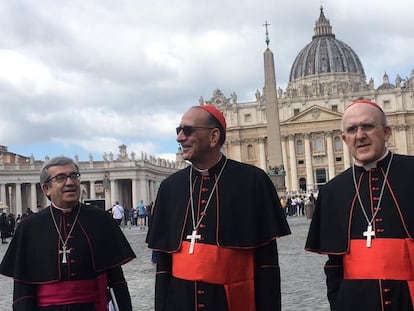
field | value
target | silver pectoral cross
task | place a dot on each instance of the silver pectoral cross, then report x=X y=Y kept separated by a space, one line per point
x=193 y=236
x=64 y=252
x=369 y=234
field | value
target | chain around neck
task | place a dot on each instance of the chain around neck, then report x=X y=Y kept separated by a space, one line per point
x=380 y=197
x=64 y=242
x=196 y=225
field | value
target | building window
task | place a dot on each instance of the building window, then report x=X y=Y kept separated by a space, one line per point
x=338 y=144
x=338 y=159
x=247 y=117
x=334 y=108
x=296 y=111
x=318 y=146
x=321 y=178
x=299 y=147
x=386 y=104
x=301 y=162
x=250 y=152
x=302 y=184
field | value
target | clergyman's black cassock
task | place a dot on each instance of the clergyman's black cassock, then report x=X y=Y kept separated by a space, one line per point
x=244 y=212
x=97 y=246
x=338 y=219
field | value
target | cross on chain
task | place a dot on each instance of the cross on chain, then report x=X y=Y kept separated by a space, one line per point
x=193 y=236
x=369 y=234
x=64 y=251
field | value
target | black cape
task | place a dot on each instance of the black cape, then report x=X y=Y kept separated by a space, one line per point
x=330 y=232
x=32 y=256
x=250 y=213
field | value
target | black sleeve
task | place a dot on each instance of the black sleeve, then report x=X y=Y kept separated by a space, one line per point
x=24 y=297
x=267 y=278
x=162 y=280
x=334 y=275
x=116 y=281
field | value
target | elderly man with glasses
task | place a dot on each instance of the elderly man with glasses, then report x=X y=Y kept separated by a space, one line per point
x=364 y=219
x=68 y=255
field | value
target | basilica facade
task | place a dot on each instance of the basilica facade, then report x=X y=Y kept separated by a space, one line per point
x=324 y=78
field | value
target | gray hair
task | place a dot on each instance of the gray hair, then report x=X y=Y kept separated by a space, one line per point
x=56 y=161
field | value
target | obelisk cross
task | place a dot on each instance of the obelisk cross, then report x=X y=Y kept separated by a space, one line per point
x=369 y=234
x=64 y=252
x=267 y=33
x=193 y=236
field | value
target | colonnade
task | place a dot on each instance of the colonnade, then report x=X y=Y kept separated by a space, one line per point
x=125 y=182
x=334 y=159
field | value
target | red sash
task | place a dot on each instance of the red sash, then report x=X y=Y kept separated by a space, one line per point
x=79 y=291
x=233 y=268
x=386 y=259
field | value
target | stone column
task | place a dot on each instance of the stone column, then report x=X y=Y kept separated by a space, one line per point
x=33 y=197
x=331 y=158
x=285 y=161
x=310 y=182
x=293 y=172
x=347 y=158
x=92 y=192
x=262 y=154
x=401 y=138
x=3 y=197
x=113 y=195
x=134 y=192
x=147 y=191
x=19 y=208
x=237 y=150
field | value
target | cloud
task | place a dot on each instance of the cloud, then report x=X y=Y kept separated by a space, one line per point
x=83 y=77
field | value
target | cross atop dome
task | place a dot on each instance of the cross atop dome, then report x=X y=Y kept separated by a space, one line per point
x=323 y=27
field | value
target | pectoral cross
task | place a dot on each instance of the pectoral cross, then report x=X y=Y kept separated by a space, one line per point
x=64 y=251
x=193 y=236
x=369 y=234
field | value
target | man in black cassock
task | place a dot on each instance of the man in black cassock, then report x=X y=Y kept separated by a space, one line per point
x=65 y=257
x=214 y=227
x=364 y=220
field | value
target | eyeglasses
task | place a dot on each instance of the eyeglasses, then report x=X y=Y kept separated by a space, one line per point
x=365 y=127
x=188 y=129
x=61 y=178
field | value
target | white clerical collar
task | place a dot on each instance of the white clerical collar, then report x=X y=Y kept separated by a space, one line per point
x=205 y=172
x=371 y=165
x=64 y=210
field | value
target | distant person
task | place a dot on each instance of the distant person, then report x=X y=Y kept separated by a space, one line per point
x=64 y=257
x=364 y=220
x=118 y=213
x=141 y=214
x=214 y=227
x=4 y=227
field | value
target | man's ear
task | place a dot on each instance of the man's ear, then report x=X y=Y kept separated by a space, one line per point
x=387 y=132
x=214 y=137
x=45 y=189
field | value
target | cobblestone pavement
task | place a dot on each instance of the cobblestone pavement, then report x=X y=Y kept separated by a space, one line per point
x=303 y=283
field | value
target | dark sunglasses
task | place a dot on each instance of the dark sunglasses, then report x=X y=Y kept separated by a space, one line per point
x=188 y=129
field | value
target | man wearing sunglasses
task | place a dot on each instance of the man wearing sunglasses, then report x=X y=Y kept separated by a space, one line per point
x=364 y=219
x=214 y=227
x=66 y=256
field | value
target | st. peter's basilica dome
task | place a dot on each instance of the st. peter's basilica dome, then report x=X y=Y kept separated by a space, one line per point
x=325 y=55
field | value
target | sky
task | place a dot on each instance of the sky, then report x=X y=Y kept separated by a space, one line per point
x=81 y=78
